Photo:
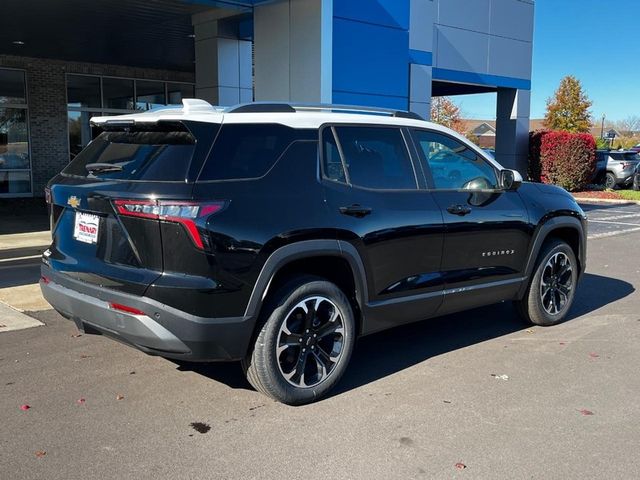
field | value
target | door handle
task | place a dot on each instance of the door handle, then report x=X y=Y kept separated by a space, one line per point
x=356 y=210
x=460 y=210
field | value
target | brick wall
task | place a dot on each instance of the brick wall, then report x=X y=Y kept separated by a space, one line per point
x=47 y=101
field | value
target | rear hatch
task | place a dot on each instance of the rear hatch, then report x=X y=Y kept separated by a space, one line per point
x=106 y=206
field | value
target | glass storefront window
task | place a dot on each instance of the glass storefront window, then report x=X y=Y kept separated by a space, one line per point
x=80 y=130
x=15 y=182
x=14 y=139
x=92 y=96
x=177 y=91
x=12 y=87
x=117 y=93
x=15 y=163
x=149 y=94
x=83 y=91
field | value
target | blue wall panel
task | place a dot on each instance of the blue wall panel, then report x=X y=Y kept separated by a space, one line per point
x=370 y=59
x=391 y=13
x=350 y=98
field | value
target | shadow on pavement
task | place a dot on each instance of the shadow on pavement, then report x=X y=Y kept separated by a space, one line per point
x=592 y=207
x=382 y=354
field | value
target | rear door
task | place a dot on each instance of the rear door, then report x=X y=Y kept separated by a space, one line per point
x=104 y=205
x=373 y=193
x=487 y=231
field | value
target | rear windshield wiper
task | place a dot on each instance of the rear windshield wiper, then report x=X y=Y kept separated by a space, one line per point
x=102 y=167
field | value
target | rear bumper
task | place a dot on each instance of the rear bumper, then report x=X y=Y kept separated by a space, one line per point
x=162 y=330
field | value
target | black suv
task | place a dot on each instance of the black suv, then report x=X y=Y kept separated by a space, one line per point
x=277 y=235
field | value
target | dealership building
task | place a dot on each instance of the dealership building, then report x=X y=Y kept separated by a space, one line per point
x=63 y=62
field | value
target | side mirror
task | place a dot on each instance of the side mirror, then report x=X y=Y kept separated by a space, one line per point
x=510 y=179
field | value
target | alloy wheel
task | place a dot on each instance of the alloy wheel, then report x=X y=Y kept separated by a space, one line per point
x=556 y=283
x=310 y=342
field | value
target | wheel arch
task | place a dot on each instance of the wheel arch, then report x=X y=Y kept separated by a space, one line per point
x=566 y=228
x=336 y=260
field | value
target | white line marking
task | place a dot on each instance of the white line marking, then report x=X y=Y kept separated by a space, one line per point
x=617 y=217
x=15 y=259
x=613 y=234
x=615 y=223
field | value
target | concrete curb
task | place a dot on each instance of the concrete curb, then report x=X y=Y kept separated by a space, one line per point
x=12 y=320
x=605 y=200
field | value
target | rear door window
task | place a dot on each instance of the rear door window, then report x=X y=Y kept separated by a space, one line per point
x=157 y=155
x=246 y=151
x=374 y=157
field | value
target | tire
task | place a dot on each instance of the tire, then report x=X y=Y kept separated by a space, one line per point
x=610 y=180
x=538 y=309
x=636 y=182
x=293 y=343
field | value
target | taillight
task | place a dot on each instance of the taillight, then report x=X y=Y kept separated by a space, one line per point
x=188 y=214
x=47 y=196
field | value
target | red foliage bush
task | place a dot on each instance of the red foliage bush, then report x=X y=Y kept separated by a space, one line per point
x=535 y=142
x=562 y=158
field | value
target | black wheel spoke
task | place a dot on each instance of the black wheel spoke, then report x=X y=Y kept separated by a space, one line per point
x=555 y=283
x=318 y=337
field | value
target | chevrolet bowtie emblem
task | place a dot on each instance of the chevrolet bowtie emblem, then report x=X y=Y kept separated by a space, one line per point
x=73 y=201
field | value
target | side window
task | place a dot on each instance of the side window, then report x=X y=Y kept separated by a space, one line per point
x=244 y=151
x=331 y=161
x=453 y=165
x=376 y=157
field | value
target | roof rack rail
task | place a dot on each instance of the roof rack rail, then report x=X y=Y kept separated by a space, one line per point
x=266 y=107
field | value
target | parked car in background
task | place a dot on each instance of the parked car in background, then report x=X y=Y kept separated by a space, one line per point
x=636 y=178
x=636 y=148
x=618 y=167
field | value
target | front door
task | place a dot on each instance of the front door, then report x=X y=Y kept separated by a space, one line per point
x=371 y=187
x=487 y=229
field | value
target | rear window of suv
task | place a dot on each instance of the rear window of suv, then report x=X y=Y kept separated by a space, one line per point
x=157 y=155
x=626 y=156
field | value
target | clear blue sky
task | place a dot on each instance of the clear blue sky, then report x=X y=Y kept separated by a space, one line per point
x=596 y=41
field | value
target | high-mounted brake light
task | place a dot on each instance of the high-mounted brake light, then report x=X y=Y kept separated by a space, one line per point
x=189 y=214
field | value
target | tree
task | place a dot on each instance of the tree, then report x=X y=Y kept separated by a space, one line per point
x=568 y=110
x=446 y=113
x=629 y=126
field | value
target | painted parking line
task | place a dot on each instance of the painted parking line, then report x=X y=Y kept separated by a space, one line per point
x=615 y=223
x=613 y=234
x=615 y=217
x=16 y=259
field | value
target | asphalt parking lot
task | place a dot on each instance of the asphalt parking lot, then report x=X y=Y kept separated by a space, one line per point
x=472 y=395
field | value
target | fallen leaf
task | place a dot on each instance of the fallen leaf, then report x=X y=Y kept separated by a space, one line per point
x=585 y=412
x=119 y=397
x=500 y=377
x=25 y=407
x=40 y=453
x=528 y=330
x=132 y=373
x=256 y=407
x=460 y=466
x=80 y=401
x=594 y=355
x=562 y=343
x=76 y=335
x=85 y=356
x=3 y=326
x=447 y=401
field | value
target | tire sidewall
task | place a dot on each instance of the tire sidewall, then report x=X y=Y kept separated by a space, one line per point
x=290 y=296
x=538 y=314
x=607 y=181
